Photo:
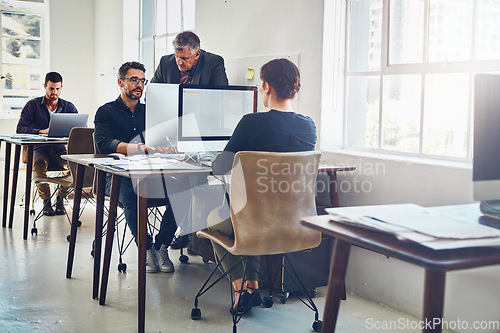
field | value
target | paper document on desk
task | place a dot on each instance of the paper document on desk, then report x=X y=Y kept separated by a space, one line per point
x=140 y=162
x=412 y=222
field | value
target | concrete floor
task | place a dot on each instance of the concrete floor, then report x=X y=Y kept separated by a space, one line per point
x=35 y=296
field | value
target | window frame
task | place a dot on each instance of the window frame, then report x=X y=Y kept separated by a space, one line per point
x=39 y=8
x=341 y=74
x=153 y=39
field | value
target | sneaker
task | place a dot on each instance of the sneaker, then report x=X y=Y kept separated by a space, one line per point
x=164 y=262
x=60 y=210
x=47 y=208
x=151 y=261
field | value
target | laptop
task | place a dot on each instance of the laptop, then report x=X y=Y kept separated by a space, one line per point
x=61 y=123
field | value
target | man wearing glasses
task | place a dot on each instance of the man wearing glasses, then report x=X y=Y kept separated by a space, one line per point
x=189 y=64
x=119 y=128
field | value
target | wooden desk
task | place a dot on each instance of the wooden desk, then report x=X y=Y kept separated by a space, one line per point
x=136 y=176
x=29 y=167
x=435 y=263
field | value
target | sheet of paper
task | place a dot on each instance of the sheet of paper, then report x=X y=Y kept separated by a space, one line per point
x=139 y=162
x=434 y=228
x=436 y=225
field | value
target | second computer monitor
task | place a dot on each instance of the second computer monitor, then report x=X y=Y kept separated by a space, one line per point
x=161 y=114
x=209 y=114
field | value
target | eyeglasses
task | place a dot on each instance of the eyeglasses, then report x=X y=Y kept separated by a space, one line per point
x=135 y=80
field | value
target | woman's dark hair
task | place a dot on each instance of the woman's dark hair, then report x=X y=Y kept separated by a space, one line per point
x=283 y=76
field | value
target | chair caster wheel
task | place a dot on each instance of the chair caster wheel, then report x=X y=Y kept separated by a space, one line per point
x=195 y=314
x=78 y=223
x=68 y=238
x=284 y=297
x=34 y=231
x=317 y=325
x=205 y=261
x=32 y=212
x=267 y=302
x=312 y=292
x=122 y=267
x=184 y=259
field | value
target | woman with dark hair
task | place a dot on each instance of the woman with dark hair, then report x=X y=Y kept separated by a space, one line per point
x=278 y=130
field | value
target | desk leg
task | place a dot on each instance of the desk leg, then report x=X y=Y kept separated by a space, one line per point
x=338 y=268
x=110 y=232
x=334 y=202
x=142 y=243
x=101 y=183
x=27 y=195
x=433 y=300
x=8 y=150
x=15 y=174
x=334 y=193
x=80 y=174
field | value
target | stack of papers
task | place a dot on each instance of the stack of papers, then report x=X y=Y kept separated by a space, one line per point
x=141 y=162
x=428 y=227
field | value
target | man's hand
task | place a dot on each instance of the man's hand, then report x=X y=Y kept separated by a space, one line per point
x=43 y=131
x=166 y=150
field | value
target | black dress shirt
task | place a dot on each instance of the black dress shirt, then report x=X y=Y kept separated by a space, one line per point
x=114 y=122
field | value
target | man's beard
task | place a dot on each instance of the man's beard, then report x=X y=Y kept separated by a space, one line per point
x=131 y=95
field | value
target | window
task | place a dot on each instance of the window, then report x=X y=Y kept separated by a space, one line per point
x=161 y=21
x=409 y=73
x=22 y=55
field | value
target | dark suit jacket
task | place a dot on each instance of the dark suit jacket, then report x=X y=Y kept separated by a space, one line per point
x=209 y=69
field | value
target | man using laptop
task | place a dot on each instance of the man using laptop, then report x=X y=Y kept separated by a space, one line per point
x=35 y=118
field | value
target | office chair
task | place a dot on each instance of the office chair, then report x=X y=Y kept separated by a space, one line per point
x=269 y=194
x=53 y=170
x=80 y=141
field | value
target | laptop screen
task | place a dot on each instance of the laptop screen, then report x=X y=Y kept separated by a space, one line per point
x=61 y=123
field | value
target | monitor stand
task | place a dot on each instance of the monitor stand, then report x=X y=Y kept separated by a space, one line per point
x=490 y=208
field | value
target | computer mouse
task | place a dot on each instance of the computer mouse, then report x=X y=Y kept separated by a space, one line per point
x=116 y=156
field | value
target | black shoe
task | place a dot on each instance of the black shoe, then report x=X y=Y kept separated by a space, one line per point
x=244 y=303
x=256 y=299
x=180 y=242
x=60 y=210
x=47 y=208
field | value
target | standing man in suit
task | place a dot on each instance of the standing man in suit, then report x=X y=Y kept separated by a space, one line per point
x=189 y=64
x=35 y=118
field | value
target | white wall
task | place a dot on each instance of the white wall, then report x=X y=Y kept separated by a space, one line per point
x=89 y=47
x=72 y=50
x=239 y=28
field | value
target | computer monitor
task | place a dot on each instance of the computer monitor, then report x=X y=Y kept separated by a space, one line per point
x=162 y=103
x=209 y=114
x=486 y=159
